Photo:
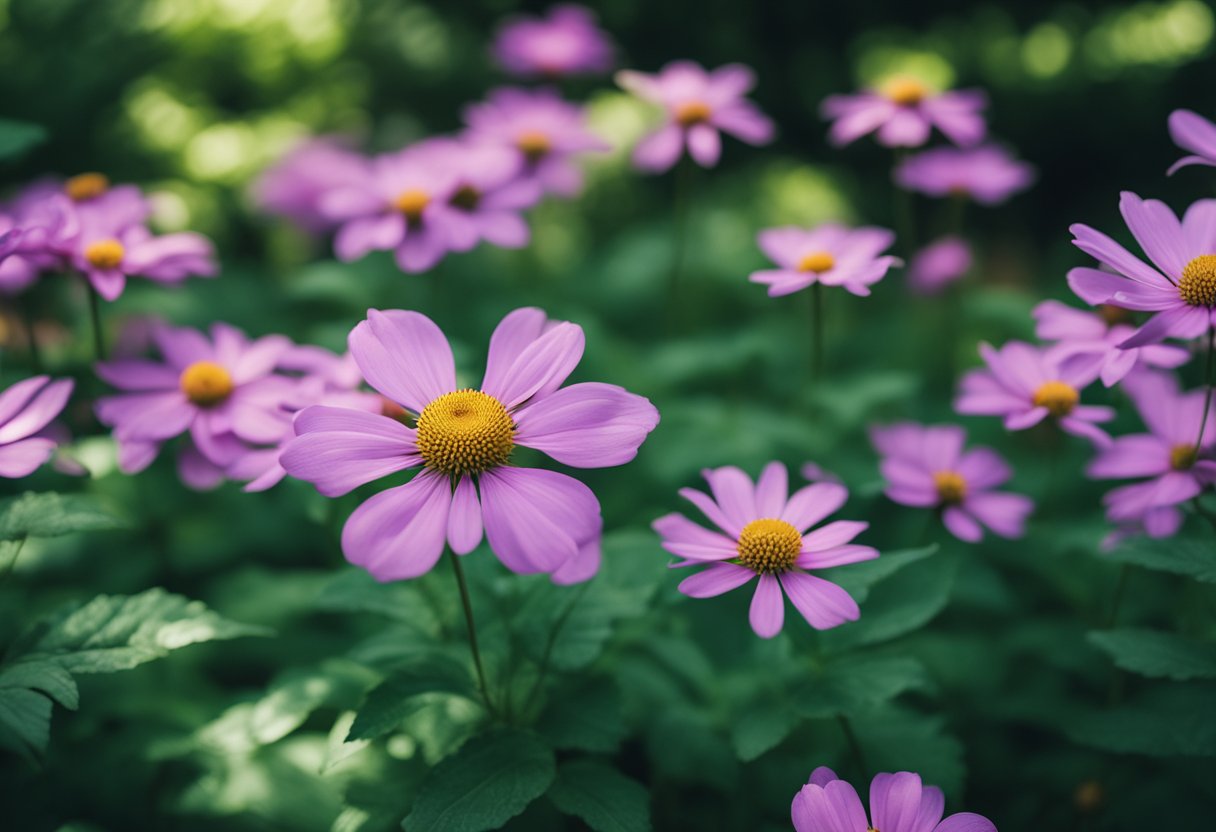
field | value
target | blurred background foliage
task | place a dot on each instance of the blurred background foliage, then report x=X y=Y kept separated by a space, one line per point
x=1001 y=698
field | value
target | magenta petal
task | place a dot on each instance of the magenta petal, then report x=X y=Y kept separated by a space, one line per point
x=405 y=356
x=772 y=490
x=541 y=367
x=464 y=518
x=20 y=459
x=359 y=236
x=832 y=535
x=676 y=528
x=835 y=556
x=812 y=503
x=715 y=580
x=733 y=492
x=966 y=822
x=583 y=566
x=962 y=525
x=535 y=520
x=1139 y=455
x=704 y=145
x=399 y=533
x=822 y=603
x=339 y=449
x=1004 y=513
x=195 y=470
x=711 y=511
x=511 y=337
x=1157 y=230
x=767 y=612
x=895 y=801
x=587 y=425
x=834 y=807
x=137 y=374
x=38 y=411
x=146 y=416
x=659 y=151
x=821 y=776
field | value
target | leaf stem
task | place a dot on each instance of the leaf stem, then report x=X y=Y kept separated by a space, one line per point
x=1209 y=383
x=99 y=344
x=816 y=330
x=458 y=570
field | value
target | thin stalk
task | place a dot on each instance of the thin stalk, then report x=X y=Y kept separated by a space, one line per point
x=468 y=619
x=859 y=757
x=816 y=330
x=99 y=343
x=18 y=545
x=1209 y=383
x=680 y=208
x=1112 y=617
x=31 y=337
x=552 y=641
x=905 y=218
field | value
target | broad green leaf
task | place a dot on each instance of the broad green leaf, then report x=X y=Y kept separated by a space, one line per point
x=589 y=719
x=354 y=590
x=684 y=745
x=25 y=721
x=899 y=604
x=50 y=515
x=762 y=727
x=854 y=684
x=1173 y=719
x=398 y=696
x=18 y=137
x=857 y=578
x=601 y=797
x=1195 y=558
x=491 y=779
x=46 y=675
x=894 y=739
x=1158 y=654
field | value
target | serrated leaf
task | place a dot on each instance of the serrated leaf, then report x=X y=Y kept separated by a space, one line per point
x=51 y=515
x=1157 y=654
x=899 y=605
x=601 y=797
x=488 y=781
x=589 y=719
x=1182 y=556
x=398 y=695
x=354 y=590
x=25 y=717
x=1139 y=730
x=48 y=676
x=18 y=137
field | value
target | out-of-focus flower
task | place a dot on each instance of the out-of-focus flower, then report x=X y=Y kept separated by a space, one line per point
x=1179 y=288
x=1099 y=335
x=899 y=802
x=545 y=133
x=534 y=520
x=34 y=232
x=26 y=411
x=762 y=531
x=490 y=194
x=566 y=42
x=988 y=175
x=699 y=105
x=1178 y=468
x=830 y=254
x=939 y=264
x=1194 y=133
x=293 y=186
x=1026 y=385
x=925 y=466
x=904 y=111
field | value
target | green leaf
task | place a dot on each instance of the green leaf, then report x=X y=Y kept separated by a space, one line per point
x=51 y=515
x=854 y=684
x=46 y=675
x=354 y=590
x=1195 y=558
x=491 y=779
x=895 y=739
x=761 y=728
x=398 y=696
x=1157 y=654
x=601 y=797
x=589 y=719
x=898 y=606
x=25 y=721
x=1174 y=720
x=857 y=578
x=18 y=137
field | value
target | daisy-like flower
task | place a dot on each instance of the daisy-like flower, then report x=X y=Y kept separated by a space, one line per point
x=544 y=132
x=926 y=466
x=26 y=411
x=699 y=105
x=107 y=251
x=762 y=531
x=899 y=802
x=566 y=42
x=988 y=175
x=1026 y=385
x=1179 y=288
x=1099 y=334
x=534 y=520
x=937 y=265
x=1194 y=133
x=830 y=254
x=292 y=187
x=904 y=111
x=490 y=195
x=1177 y=468
x=35 y=230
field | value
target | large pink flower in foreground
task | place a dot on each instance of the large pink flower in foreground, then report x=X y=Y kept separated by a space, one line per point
x=26 y=411
x=899 y=802
x=830 y=254
x=566 y=42
x=904 y=111
x=535 y=520
x=1179 y=288
x=1194 y=133
x=762 y=531
x=699 y=105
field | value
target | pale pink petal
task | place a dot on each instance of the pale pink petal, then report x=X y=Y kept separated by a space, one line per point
x=716 y=580
x=400 y=533
x=822 y=603
x=405 y=356
x=464 y=518
x=768 y=607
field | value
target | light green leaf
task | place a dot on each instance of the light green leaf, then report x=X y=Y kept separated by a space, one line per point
x=398 y=696
x=1182 y=556
x=25 y=721
x=50 y=515
x=1157 y=654
x=46 y=675
x=601 y=797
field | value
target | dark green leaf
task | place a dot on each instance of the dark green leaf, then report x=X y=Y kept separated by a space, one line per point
x=25 y=717
x=899 y=605
x=761 y=728
x=18 y=137
x=855 y=684
x=601 y=797
x=1175 y=719
x=589 y=719
x=397 y=696
x=50 y=515
x=1182 y=556
x=46 y=675
x=1158 y=654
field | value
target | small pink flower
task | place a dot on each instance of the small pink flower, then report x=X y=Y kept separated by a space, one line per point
x=1194 y=133
x=1078 y=332
x=937 y=265
x=904 y=111
x=293 y=186
x=830 y=254
x=27 y=438
x=899 y=802
x=566 y=42
x=988 y=175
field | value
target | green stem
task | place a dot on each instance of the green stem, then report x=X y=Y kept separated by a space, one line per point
x=859 y=757
x=31 y=337
x=816 y=330
x=1209 y=384
x=905 y=218
x=19 y=543
x=683 y=188
x=468 y=619
x=552 y=641
x=99 y=344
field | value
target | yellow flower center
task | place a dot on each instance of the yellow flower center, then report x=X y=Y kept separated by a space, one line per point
x=692 y=112
x=1059 y=398
x=905 y=91
x=534 y=144
x=1198 y=284
x=86 y=186
x=206 y=383
x=412 y=202
x=768 y=545
x=817 y=262
x=951 y=487
x=1183 y=456
x=104 y=254
x=465 y=432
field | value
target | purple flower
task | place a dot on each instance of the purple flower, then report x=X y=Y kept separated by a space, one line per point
x=926 y=467
x=898 y=803
x=904 y=111
x=1194 y=133
x=543 y=131
x=1026 y=385
x=293 y=186
x=35 y=229
x=1178 y=469
x=534 y=520
x=567 y=42
x=988 y=175
x=763 y=531
x=1099 y=335
x=939 y=264
x=830 y=254
x=26 y=435
x=490 y=194
x=698 y=104
x=1179 y=288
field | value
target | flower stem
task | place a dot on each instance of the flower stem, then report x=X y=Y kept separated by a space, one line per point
x=1209 y=383
x=683 y=188
x=859 y=757
x=99 y=343
x=816 y=330
x=1120 y=584
x=905 y=222
x=468 y=618
x=31 y=337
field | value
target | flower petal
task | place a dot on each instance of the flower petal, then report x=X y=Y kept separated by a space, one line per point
x=399 y=533
x=822 y=603
x=464 y=518
x=767 y=612
x=587 y=425
x=716 y=579
x=535 y=520
x=405 y=356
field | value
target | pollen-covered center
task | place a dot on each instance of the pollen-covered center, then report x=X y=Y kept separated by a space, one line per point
x=692 y=112
x=206 y=383
x=534 y=144
x=104 y=254
x=951 y=487
x=1198 y=284
x=1059 y=398
x=465 y=432
x=86 y=186
x=1183 y=456
x=768 y=545
x=905 y=91
x=412 y=202
x=817 y=262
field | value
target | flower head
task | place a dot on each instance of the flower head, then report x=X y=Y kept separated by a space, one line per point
x=566 y=42
x=293 y=186
x=699 y=105
x=904 y=111
x=830 y=254
x=988 y=175
x=763 y=531
x=927 y=467
x=1179 y=288
x=899 y=802
x=462 y=439
x=1078 y=332
x=1194 y=133
x=26 y=411
x=35 y=231
x=940 y=263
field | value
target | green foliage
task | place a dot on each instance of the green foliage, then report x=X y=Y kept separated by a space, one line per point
x=1191 y=557
x=601 y=797
x=51 y=515
x=18 y=137
x=1158 y=654
x=398 y=695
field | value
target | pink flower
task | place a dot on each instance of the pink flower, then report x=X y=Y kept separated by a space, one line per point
x=1194 y=133
x=988 y=175
x=926 y=467
x=293 y=186
x=698 y=104
x=26 y=434
x=763 y=531
x=36 y=229
x=534 y=520
x=898 y=803
x=567 y=42
x=1027 y=385
x=830 y=254
x=1179 y=288
x=1099 y=336
x=904 y=111
x=937 y=265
